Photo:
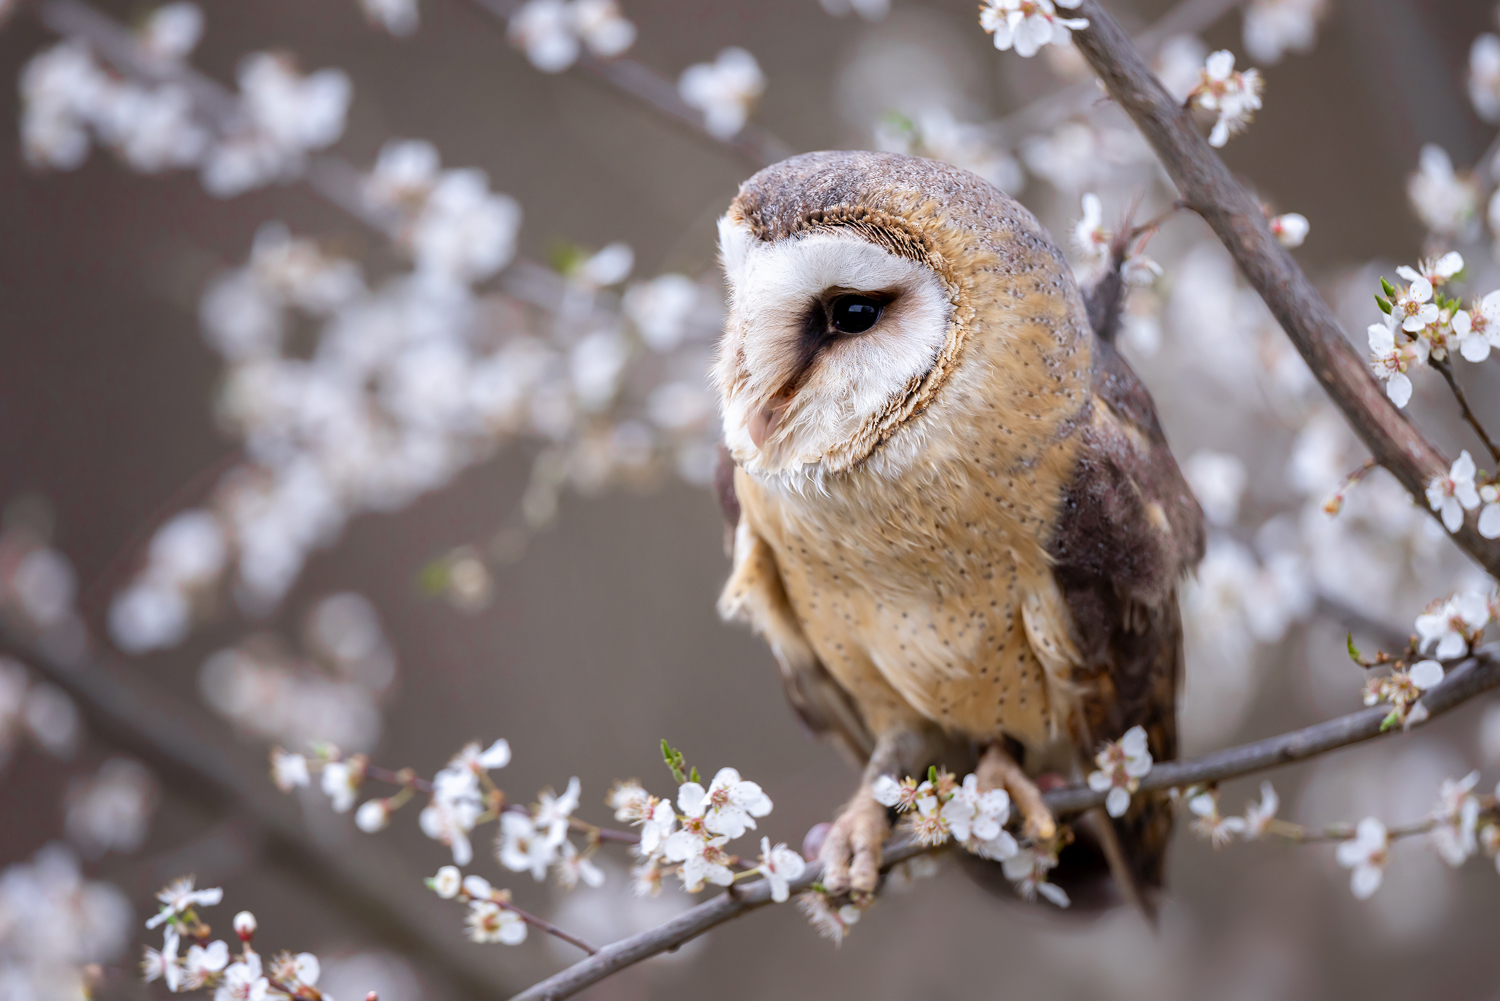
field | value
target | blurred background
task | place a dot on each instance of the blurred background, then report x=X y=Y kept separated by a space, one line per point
x=541 y=563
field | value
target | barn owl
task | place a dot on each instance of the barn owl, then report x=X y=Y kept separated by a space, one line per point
x=954 y=511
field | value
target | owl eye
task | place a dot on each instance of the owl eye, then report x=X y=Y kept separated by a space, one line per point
x=854 y=314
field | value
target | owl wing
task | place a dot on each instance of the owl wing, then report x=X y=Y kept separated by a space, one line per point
x=754 y=594
x=1129 y=531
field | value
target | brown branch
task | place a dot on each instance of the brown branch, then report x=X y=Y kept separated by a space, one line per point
x=203 y=762
x=1471 y=677
x=657 y=92
x=1446 y=368
x=1188 y=18
x=1236 y=217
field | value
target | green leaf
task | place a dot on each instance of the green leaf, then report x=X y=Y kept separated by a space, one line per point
x=1387 y=287
x=694 y=775
x=1354 y=653
x=932 y=774
x=673 y=758
x=1392 y=720
x=1385 y=307
x=566 y=258
x=432 y=579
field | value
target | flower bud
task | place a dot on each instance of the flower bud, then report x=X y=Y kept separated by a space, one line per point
x=244 y=925
x=446 y=883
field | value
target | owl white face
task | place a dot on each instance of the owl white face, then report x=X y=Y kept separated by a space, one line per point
x=825 y=332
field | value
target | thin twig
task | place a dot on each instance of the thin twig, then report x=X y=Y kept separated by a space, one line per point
x=1446 y=368
x=547 y=926
x=655 y=91
x=1237 y=218
x=1473 y=676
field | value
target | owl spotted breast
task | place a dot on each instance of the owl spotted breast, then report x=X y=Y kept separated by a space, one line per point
x=955 y=515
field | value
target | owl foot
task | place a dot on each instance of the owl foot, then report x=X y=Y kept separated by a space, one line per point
x=998 y=770
x=851 y=852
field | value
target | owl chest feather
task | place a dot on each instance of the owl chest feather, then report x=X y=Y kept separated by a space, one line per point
x=921 y=585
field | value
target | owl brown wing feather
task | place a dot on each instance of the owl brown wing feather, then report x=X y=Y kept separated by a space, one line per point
x=1128 y=532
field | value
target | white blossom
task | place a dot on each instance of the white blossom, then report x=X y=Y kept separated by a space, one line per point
x=553 y=812
x=399 y=17
x=660 y=308
x=1122 y=765
x=447 y=882
x=574 y=868
x=1089 y=235
x=1218 y=829
x=1366 y=855
x=657 y=827
x=243 y=981
x=172 y=31
x=1451 y=624
x=201 y=961
x=729 y=805
x=489 y=922
x=977 y=819
x=1489 y=515
x=1027 y=25
x=1478 y=329
x=606 y=31
x=340 y=782
x=1444 y=201
x=1484 y=77
x=544 y=29
x=373 y=815
x=525 y=848
x=1390 y=361
x=179 y=896
x=699 y=859
x=1218 y=480
x=724 y=90
x=1456 y=817
x=1258 y=816
x=1234 y=96
x=1455 y=493
x=829 y=921
x=1028 y=869
x=1290 y=229
x=1273 y=27
x=780 y=866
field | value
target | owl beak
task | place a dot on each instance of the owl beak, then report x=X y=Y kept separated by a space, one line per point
x=763 y=424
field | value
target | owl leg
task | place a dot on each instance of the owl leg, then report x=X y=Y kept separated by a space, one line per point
x=998 y=770
x=851 y=853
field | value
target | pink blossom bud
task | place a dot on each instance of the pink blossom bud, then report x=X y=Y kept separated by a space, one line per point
x=244 y=925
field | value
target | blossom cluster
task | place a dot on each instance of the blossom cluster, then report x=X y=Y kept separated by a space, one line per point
x=1122 y=764
x=1233 y=95
x=554 y=33
x=242 y=976
x=278 y=117
x=1460 y=826
x=940 y=808
x=1463 y=489
x=1028 y=25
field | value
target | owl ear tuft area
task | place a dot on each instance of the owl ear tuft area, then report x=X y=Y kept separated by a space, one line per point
x=735 y=240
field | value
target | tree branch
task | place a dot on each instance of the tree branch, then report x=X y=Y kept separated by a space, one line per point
x=1236 y=217
x=1446 y=368
x=1471 y=677
x=127 y=709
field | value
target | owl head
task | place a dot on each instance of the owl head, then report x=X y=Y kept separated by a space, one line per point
x=871 y=294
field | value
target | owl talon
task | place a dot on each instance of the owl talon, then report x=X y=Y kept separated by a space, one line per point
x=851 y=853
x=998 y=770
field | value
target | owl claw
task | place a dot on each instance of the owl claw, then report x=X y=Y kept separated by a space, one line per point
x=851 y=853
x=998 y=770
